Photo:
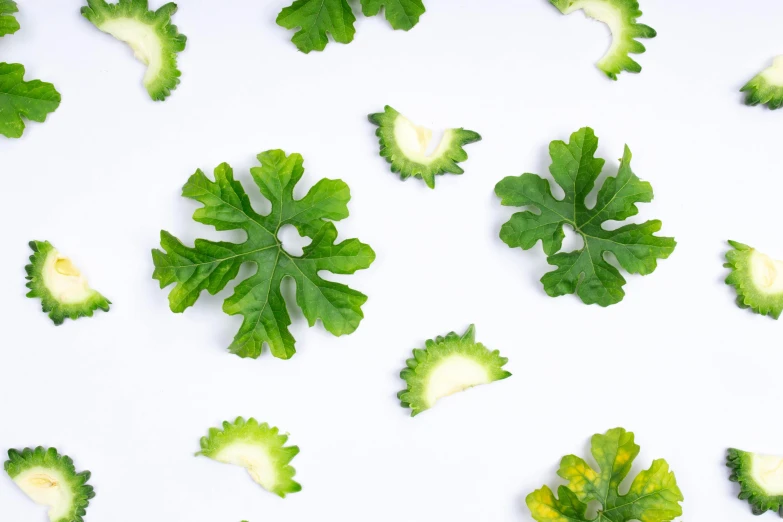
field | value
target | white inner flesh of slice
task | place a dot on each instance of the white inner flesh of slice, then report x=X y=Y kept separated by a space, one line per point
x=414 y=141
x=64 y=281
x=605 y=12
x=452 y=375
x=254 y=458
x=767 y=472
x=767 y=273
x=774 y=74
x=47 y=487
x=142 y=38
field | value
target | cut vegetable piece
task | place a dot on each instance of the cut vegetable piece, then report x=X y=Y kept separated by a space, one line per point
x=760 y=478
x=405 y=145
x=8 y=22
x=652 y=497
x=259 y=449
x=757 y=278
x=585 y=272
x=767 y=86
x=448 y=365
x=154 y=39
x=315 y=19
x=620 y=16
x=63 y=290
x=211 y=265
x=401 y=14
x=50 y=479
x=33 y=100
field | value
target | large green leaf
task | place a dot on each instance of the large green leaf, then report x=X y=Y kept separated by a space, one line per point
x=652 y=497
x=211 y=265
x=316 y=18
x=8 y=23
x=401 y=14
x=585 y=271
x=33 y=100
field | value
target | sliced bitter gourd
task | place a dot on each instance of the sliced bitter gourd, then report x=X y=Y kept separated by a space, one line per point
x=8 y=22
x=153 y=38
x=620 y=16
x=757 y=278
x=760 y=478
x=448 y=365
x=63 y=290
x=50 y=479
x=767 y=86
x=256 y=447
x=405 y=144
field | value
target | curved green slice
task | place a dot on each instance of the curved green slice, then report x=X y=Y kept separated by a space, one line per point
x=448 y=365
x=62 y=288
x=767 y=86
x=316 y=19
x=757 y=278
x=760 y=478
x=258 y=448
x=154 y=39
x=50 y=479
x=32 y=100
x=8 y=22
x=620 y=16
x=405 y=144
x=401 y=14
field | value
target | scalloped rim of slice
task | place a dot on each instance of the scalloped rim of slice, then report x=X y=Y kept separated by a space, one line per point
x=8 y=22
x=258 y=448
x=766 y=87
x=62 y=288
x=448 y=365
x=155 y=41
x=620 y=16
x=51 y=480
x=760 y=478
x=757 y=279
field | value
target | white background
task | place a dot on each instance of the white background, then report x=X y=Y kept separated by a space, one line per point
x=128 y=394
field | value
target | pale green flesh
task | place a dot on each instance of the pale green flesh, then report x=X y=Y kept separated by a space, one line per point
x=64 y=281
x=254 y=458
x=454 y=374
x=766 y=273
x=767 y=472
x=47 y=487
x=774 y=74
x=607 y=13
x=414 y=141
x=144 y=41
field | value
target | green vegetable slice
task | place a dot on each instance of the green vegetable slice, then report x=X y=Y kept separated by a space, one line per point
x=62 y=288
x=211 y=265
x=315 y=19
x=757 y=278
x=405 y=144
x=154 y=39
x=620 y=16
x=259 y=449
x=8 y=22
x=760 y=478
x=401 y=14
x=50 y=479
x=767 y=86
x=33 y=100
x=652 y=497
x=584 y=272
x=448 y=365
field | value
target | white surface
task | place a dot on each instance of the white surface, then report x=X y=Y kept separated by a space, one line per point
x=128 y=394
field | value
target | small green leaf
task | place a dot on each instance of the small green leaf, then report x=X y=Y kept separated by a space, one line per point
x=585 y=272
x=653 y=496
x=8 y=23
x=401 y=14
x=211 y=265
x=315 y=19
x=33 y=100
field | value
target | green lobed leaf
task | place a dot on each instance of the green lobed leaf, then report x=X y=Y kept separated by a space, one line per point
x=315 y=19
x=401 y=14
x=32 y=100
x=653 y=496
x=8 y=23
x=585 y=272
x=210 y=265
